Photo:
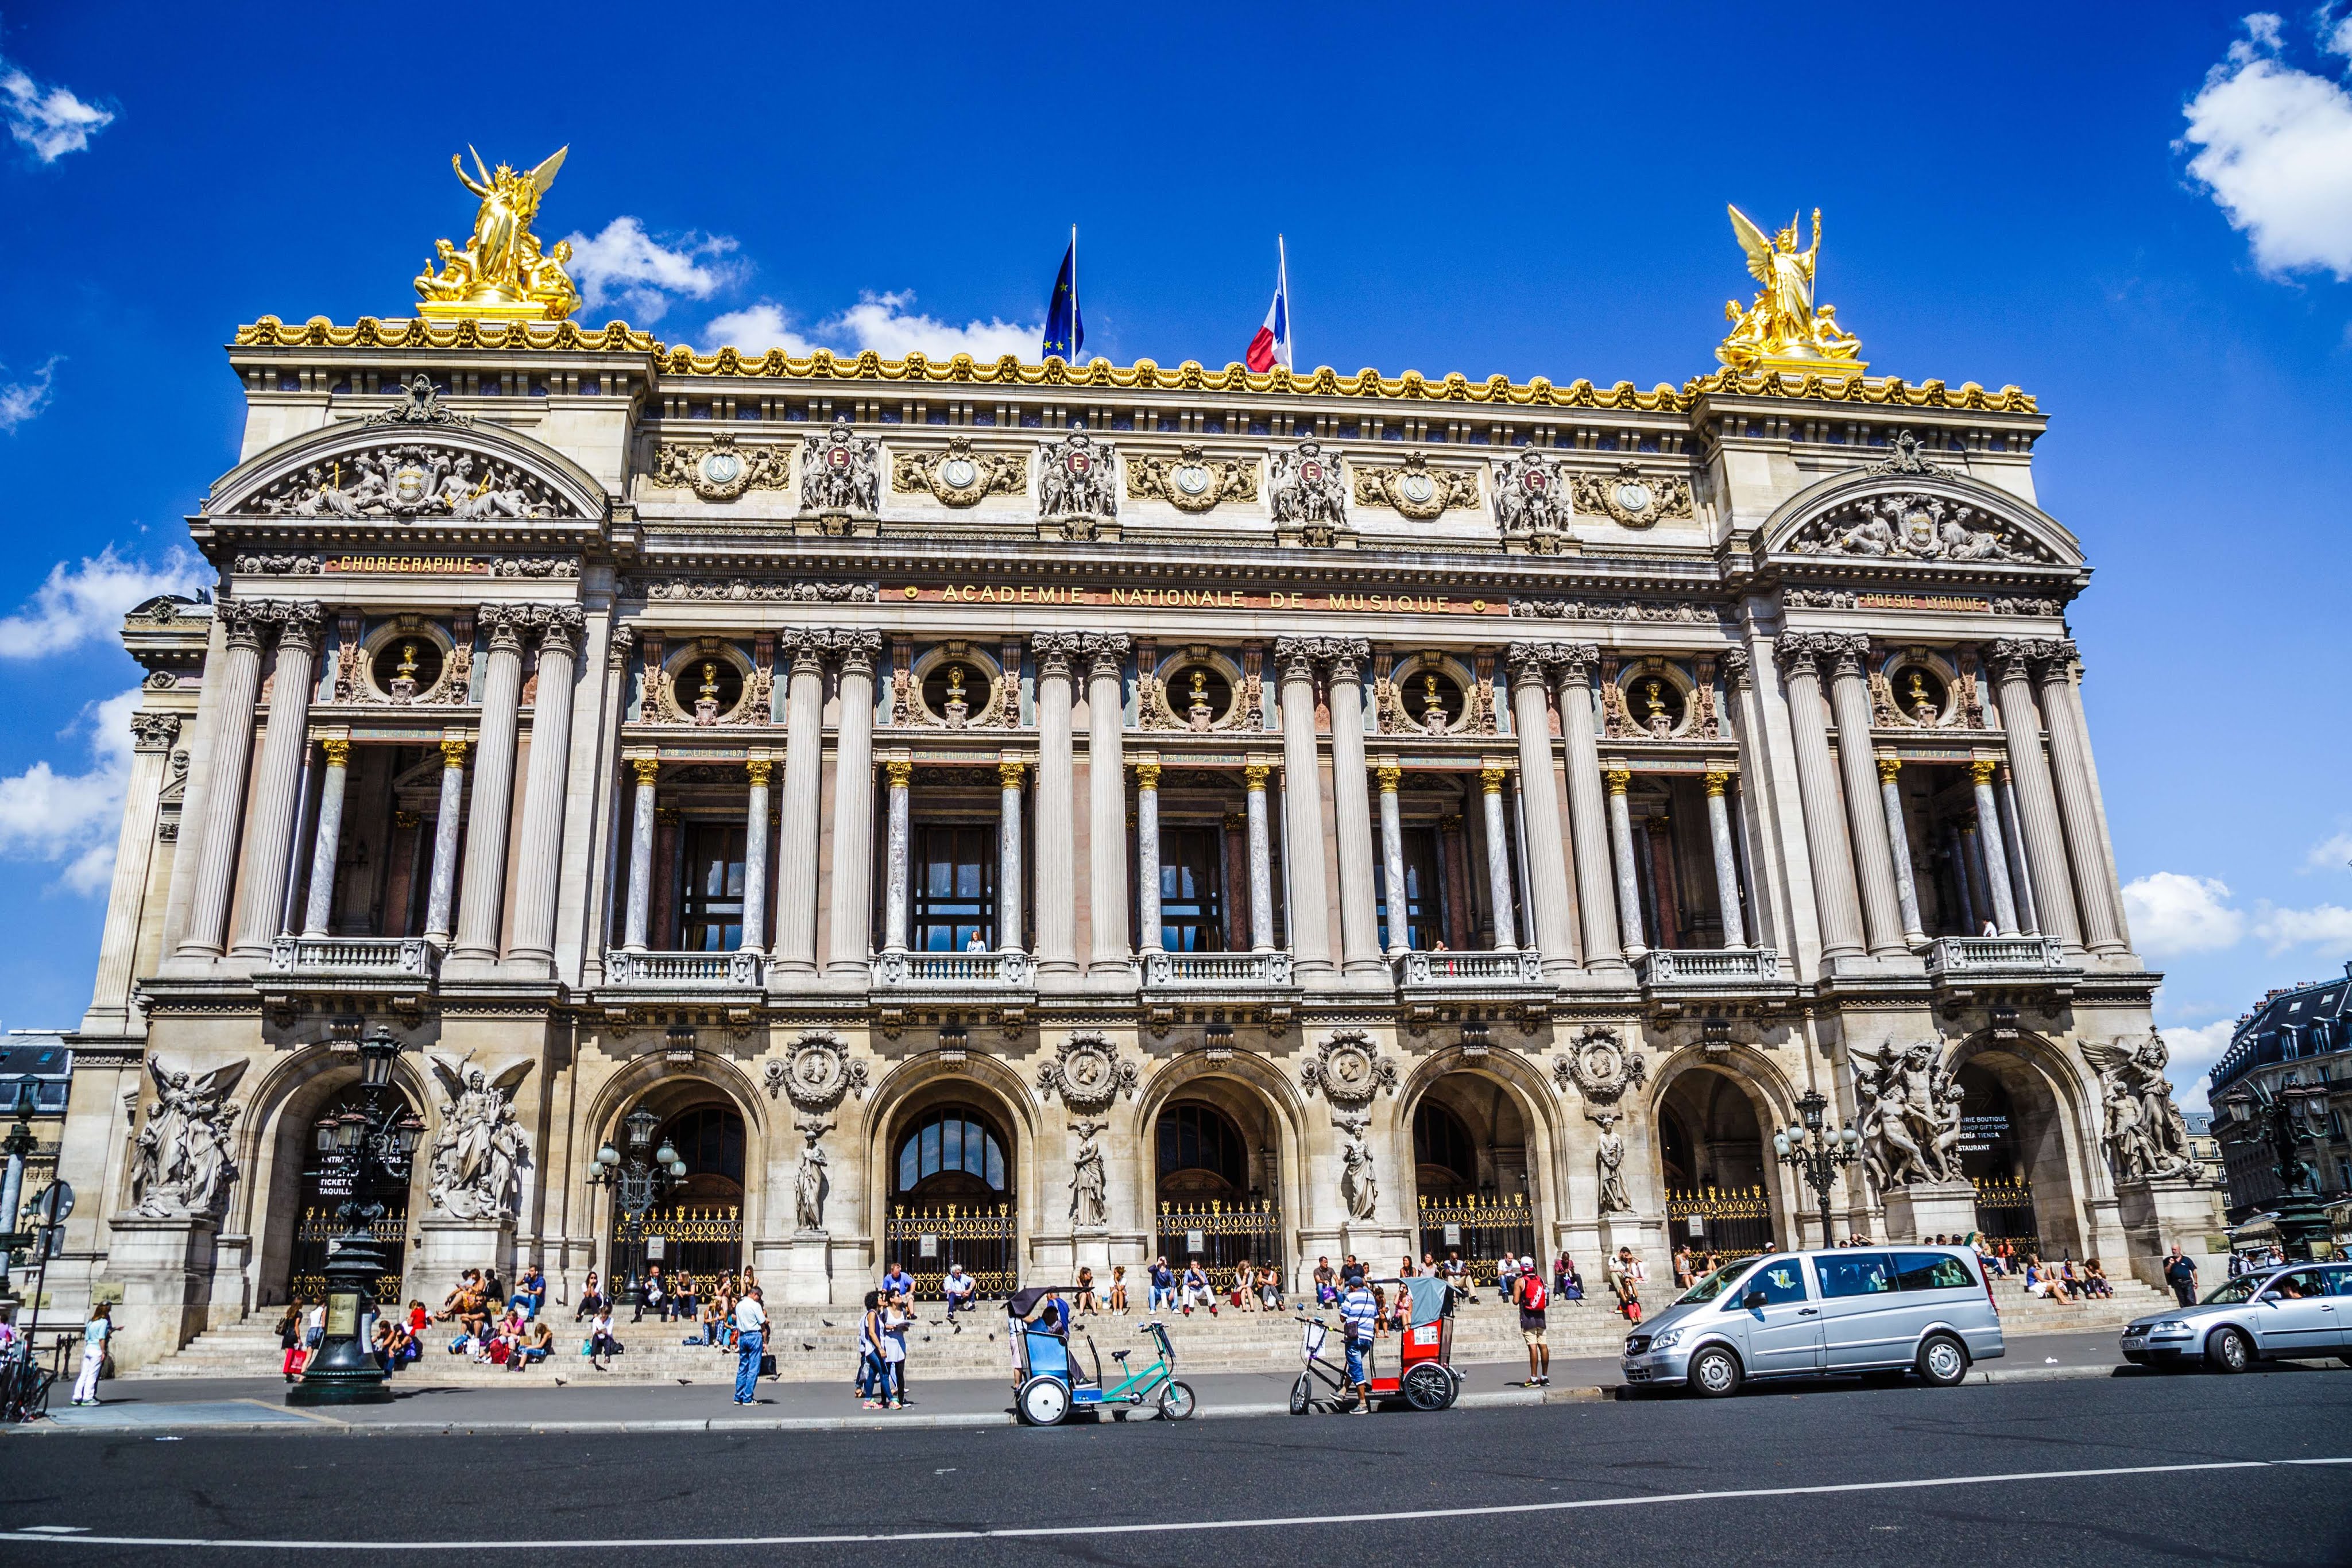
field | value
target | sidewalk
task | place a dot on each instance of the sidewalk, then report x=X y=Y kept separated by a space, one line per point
x=213 y=1403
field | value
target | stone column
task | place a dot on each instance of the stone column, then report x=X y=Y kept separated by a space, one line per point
x=1008 y=856
x=641 y=852
x=1882 y=910
x=1995 y=846
x=755 y=856
x=1057 y=866
x=1817 y=788
x=2037 y=798
x=2012 y=847
x=2079 y=722
x=853 y=806
x=232 y=748
x=480 y=889
x=1261 y=858
x=1391 y=774
x=1352 y=806
x=1898 y=839
x=1727 y=861
x=1587 y=817
x=538 y=882
x=446 y=823
x=796 y=850
x=151 y=737
x=900 y=775
x=327 y=842
x=1147 y=855
x=276 y=796
x=1498 y=856
x=1547 y=869
x=1621 y=840
x=1302 y=810
x=2078 y=803
x=1107 y=803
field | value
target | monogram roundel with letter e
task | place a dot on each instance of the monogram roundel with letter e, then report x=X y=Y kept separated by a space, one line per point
x=1599 y=1068
x=1087 y=1073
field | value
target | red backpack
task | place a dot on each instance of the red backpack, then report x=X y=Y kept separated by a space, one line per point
x=1532 y=1296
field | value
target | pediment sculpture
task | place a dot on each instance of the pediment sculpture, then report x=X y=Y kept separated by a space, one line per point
x=1192 y=481
x=1918 y=527
x=407 y=483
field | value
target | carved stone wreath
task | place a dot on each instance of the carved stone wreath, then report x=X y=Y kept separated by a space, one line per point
x=1629 y=498
x=718 y=470
x=1414 y=489
x=960 y=476
x=1348 y=1069
x=1088 y=1074
x=817 y=1073
x=1193 y=483
x=1597 y=1067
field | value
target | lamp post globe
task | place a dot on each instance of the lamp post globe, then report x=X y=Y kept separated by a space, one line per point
x=375 y=1142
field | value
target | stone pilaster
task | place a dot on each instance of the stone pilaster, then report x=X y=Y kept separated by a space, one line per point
x=540 y=870
x=1302 y=807
x=1587 y=818
x=1261 y=856
x=1628 y=880
x=635 y=925
x=1390 y=775
x=1008 y=856
x=899 y=776
x=1498 y=856
x=2037 y=798
x=1898 y=839
x=1547 y=867
x=759 y=769
x=853 y=808
x=1995 y=846
x=1874 y=852
x=1352 y=807
x=1147 y=855
x=2078 y=803
x=446 y=823
x=1109 y=955
x=152 y=737
x=796 y=855
x=481 y=889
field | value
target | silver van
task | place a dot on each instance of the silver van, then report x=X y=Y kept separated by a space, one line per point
x=1882 y=1312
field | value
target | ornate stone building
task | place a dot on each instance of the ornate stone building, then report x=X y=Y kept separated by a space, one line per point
x=1046 y=815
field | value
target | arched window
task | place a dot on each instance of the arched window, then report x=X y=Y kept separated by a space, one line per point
x=710 y=1139
x=1200 y=1151
x=1446 y=1161
x=951 y=1152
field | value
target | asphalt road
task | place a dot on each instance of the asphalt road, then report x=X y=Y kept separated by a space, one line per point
x=2141 y=1469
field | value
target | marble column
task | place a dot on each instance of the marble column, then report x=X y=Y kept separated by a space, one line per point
x=1587 y=816
x=238 y=684
x=2070 y=704
x=2012 y=847
x=641 y=852
x=1546 y=868
x=1726 y=861
x=1391 y=774
x=1261 y=858
x=277 y=784
x=2037 y=798
x=1309 y=900
x=1109 y=952
x=152 y=737
x=853 y=808
x=2078 y=803
x=755 y=855
x=540 y=870
x=898 y=776
x=1834 y=898
x=797 y=860
x=1995 y=846
x=1498 y=856
x=1874 y=852
x=328 y=839
x=482 y=887
x=1008 y=855
x=1057 y=864
x=1147 y=856
x=1898 y=839
x=448 y=822
x=1628 y=881
x=1352 y=807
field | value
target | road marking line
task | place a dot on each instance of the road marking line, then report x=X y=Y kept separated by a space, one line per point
x=1283 y=1522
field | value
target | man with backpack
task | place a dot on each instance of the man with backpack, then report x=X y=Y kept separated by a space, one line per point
x=1533 y=1299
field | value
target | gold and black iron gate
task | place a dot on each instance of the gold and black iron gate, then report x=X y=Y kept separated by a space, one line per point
x=926 y=1239
x=2005 y=1213
x=1485 y=1230
x=700 y=1239
x=316 y=1238
x=1221 y=1234
x=1736 y=1223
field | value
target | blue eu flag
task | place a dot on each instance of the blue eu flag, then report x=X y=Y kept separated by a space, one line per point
x=1066 y=329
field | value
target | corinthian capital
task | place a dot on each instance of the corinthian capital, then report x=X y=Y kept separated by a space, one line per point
x=1053 y=650
x=297 y=622
x=1734 y=663
x=617 y=650
x=503 y=624
x=856 y=648
x=805 y=644
x=1106 y=652
x=243 y=621
x=1295 y=657
x=1530 y=663
x=154 y=731
x=2010 y=659
x=559 y=626
x=1801 y=653
x=2057 y=658
x=1345 y=656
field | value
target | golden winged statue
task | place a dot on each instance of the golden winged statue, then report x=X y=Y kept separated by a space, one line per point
x=1782 y=329
x=501 y=274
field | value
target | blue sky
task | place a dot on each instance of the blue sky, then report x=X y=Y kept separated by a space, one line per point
x=2143 y=216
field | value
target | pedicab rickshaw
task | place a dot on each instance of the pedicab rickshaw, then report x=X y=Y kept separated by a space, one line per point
x=1048 y=1381
x=1424 y=1373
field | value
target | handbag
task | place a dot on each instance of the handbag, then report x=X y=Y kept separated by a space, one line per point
x=767 y=1365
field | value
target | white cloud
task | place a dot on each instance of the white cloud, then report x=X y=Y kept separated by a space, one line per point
x=2172 y=914
x=2330 y=854
x=2275 y=150
x=2325 y=925
x=626 y=263
x=73 y=819
x=50 y=121
x=886 y=323
x=74 y=605
x=2194 y=1052
x=20 y=401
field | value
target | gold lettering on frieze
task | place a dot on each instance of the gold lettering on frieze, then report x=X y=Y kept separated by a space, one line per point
x=1400 y=603
x=417 y=565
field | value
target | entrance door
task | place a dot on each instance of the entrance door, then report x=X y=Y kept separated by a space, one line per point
x=1206 y=1209
x=951 y=1201
x=326 y=1182
x=696 y=1227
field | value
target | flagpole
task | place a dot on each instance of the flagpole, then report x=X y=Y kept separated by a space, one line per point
x=1282 y=287
x=1073 y=294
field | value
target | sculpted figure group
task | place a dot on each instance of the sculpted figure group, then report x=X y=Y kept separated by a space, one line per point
x=1910 y=1120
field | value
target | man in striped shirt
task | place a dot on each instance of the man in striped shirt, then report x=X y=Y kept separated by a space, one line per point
x=1359 y=1311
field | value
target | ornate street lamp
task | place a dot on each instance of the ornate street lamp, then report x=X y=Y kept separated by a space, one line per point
x=1816 y=1151
x=377 y=1143
x=638 y=1182
x=2291 y=1122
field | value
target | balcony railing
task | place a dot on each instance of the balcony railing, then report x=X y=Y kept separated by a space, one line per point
x=972 y=971
x=682 y=971
x=1708 y=966
x=1980 y=955
x=1440 y=972
x=376 y=957
x=1190 y=971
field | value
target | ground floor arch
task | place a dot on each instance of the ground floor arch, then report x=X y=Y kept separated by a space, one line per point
x=1480 y=1154
x=948 y=1160
x=2023 y=1146
x=1722 y=1192
x=679 y=1188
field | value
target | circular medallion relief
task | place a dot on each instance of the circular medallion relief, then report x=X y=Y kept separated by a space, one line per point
x=837 y=457
x=1191 y=479
x=1633 y=496
x=1417 y=488
x=958 y=473
x=1078 y=462
x=720 y=468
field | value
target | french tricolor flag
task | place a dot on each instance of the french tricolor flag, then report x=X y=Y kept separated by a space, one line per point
x=1271 y=346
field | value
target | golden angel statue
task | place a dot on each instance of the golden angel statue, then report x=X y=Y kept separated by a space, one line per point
x=1782 y=329
x=501 y=274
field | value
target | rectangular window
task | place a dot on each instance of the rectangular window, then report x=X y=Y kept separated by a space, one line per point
x=1931 y=1271
x=954 y=878
x=1191 y=890
x=710 y=913
x=1421 y=900
x=1855 y=1274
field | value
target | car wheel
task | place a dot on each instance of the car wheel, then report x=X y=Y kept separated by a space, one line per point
x=1043 y=1401
x=1302 y=1395
x=1943 y=1361
x=1176 y=1401
x=2230 y=1351
x=1428 y=1388
x=1715 y=1372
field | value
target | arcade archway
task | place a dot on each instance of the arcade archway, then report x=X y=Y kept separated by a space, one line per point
x=952 y=1197
x=1474 y=1155
x=1216 y=1193
x=1714 y=1165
